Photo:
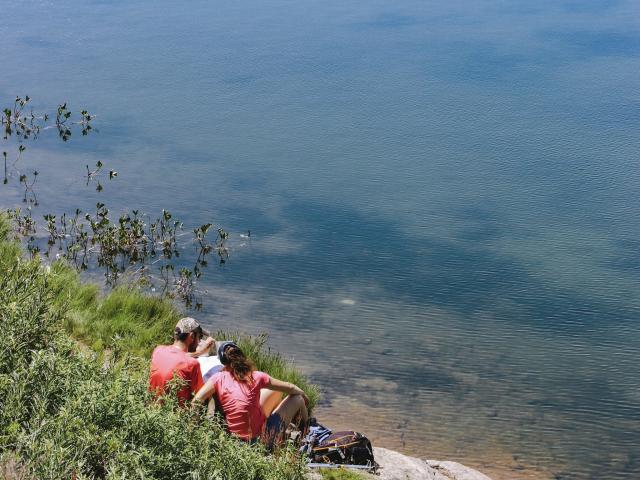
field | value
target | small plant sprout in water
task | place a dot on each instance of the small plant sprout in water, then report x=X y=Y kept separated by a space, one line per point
x=84 y=122
x=62 y=116
x=221 y=245
x=94 y=175
x=29 y=194
x=9 y=169
x=15 y=121
x=91 y=174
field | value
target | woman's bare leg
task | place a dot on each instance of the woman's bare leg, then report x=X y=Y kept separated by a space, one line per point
x=269 y=400
x=292 y=408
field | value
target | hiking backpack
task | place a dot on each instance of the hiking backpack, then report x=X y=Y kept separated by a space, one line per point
x=341 y=448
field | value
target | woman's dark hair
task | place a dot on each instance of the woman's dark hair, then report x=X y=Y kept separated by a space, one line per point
x=239 y=365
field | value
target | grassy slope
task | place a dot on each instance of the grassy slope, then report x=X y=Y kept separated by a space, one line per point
x=132 y=322
x=63 y=414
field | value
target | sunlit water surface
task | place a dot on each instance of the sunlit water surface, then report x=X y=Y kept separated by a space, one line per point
x=443 y=199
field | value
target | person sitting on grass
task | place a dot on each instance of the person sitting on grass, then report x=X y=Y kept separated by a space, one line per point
x=251 y=401
x=168 y=361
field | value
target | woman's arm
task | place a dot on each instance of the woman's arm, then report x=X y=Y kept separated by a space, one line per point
x=205 y=393
x=286 y=387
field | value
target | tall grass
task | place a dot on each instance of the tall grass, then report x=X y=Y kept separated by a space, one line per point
x=132 y=322
x=65 y=413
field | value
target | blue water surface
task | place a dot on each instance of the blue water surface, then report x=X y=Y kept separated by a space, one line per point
x=443 y=199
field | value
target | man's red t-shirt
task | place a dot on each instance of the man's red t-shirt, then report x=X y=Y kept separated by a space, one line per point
x=167 y=360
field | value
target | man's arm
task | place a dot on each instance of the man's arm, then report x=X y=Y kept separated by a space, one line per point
x=204 y=347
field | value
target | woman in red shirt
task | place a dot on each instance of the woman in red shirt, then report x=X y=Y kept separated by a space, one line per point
x=251 y=401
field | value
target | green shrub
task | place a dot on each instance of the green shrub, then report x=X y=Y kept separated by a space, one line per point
x=66 y=413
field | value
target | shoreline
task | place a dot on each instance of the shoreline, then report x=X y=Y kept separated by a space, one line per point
x=396 y=466
x=497 y=465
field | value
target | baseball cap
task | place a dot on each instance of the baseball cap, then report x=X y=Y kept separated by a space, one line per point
x=187 y=325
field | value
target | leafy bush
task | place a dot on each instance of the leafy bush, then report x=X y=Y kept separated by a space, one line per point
x=66 y=413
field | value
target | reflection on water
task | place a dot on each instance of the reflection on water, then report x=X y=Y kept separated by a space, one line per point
x=442 y=198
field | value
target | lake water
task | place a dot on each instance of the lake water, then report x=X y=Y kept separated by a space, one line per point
x=443 y=199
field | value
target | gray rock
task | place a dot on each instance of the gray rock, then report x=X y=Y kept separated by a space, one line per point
x=456 y=471
x=396 y=466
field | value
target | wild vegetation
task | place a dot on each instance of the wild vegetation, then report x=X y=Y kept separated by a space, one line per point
x=74 y=400
x=66 y=412
x=140 y=247
x=128 y=321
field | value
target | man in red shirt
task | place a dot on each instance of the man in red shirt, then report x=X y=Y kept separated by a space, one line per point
x=168 y=361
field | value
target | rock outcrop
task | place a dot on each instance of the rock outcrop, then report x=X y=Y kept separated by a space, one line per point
x=396 y=466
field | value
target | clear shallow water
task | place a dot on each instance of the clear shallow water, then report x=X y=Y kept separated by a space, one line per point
x=443 y=199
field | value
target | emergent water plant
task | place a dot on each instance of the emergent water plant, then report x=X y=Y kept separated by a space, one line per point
x=134 y=245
